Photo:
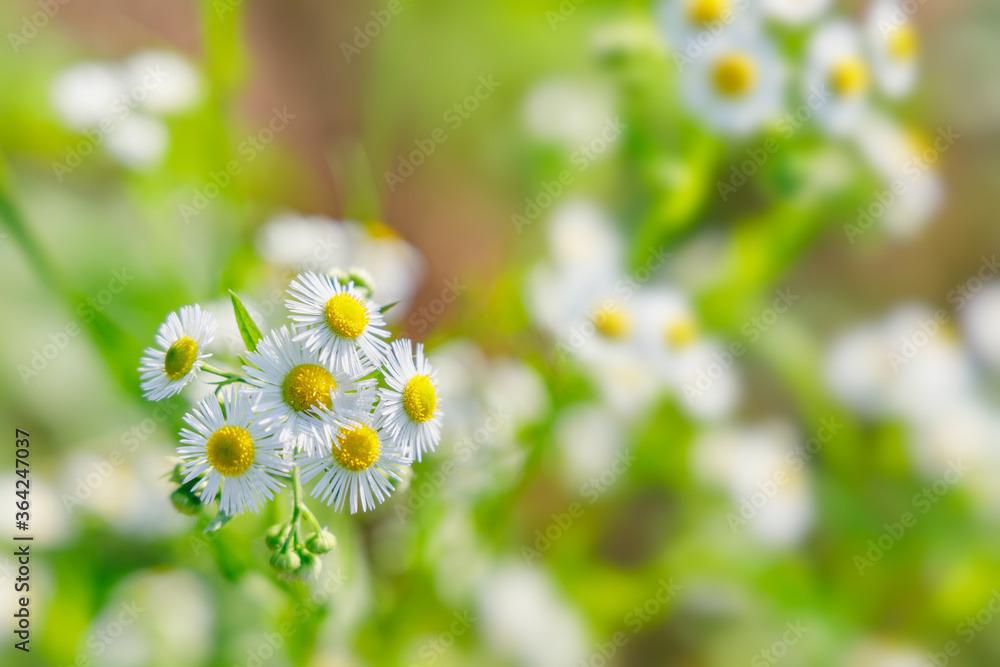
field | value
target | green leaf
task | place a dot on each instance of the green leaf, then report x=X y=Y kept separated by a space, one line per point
x=387 y=307
x=220 y=520
x=248 y=328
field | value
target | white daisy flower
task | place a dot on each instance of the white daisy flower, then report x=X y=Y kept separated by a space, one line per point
x=138 y=141
x=738 y=84
x=290 y=384
x=411 y=405
x=361 y=459
x=229 y=449
x=895 y=47
x=836 y=63
x=86 y=94
x=169 y=82
x=181 y=340
x=794 y=12
x=337 y=321
x=687 y=25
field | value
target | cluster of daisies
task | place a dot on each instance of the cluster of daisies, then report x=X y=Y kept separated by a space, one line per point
x=735 y=77
x=327 y=398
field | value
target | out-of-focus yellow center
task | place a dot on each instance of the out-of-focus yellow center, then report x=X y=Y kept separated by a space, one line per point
x=380 y=230
x=346 y=315
x=681 y=332
x=849 y=77
x=419 y=398
x=704 y=12
x=356 y=448
x=734 y=75
x=307 y=387
x=611 y=322
x=903 y=42
x=180 y=358
x=230 y=451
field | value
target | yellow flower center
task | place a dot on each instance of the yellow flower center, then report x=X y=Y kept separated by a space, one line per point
x=180 y=358
x=419 y=398
x=681 y=333
x=849 y=77
x=346 y=315
x=356 y=448
x=230 y=451
x=903 y=42
x=735 y=75
x=704 y=12
x=307 y=386
x=611 y=322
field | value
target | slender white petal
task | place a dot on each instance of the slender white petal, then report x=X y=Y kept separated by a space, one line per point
x=191 y=323
x=416 y=434
x=250 y=485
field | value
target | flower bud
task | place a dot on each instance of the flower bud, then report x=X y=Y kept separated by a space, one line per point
x=311 y=566
x=321 y=542
x=185 y=501
x=285 y=562
x=275 y=536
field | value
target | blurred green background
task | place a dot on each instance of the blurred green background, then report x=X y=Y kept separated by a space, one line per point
x=580 y=510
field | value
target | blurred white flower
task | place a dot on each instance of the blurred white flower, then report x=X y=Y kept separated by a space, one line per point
x=178 y=84
x=589 y=436
x=894 y=44
x=85 y=94
x=318 y=243
x=138 y=141
x=769 y=485
x=795 y=12
x=686 y=25
x=517 y=388
x=708 y=382
x=524 y=618
x=836 y=61
x=139 y=624
x=914 y=192
x=738 y=84
x=981 y=324
x=567 y=111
